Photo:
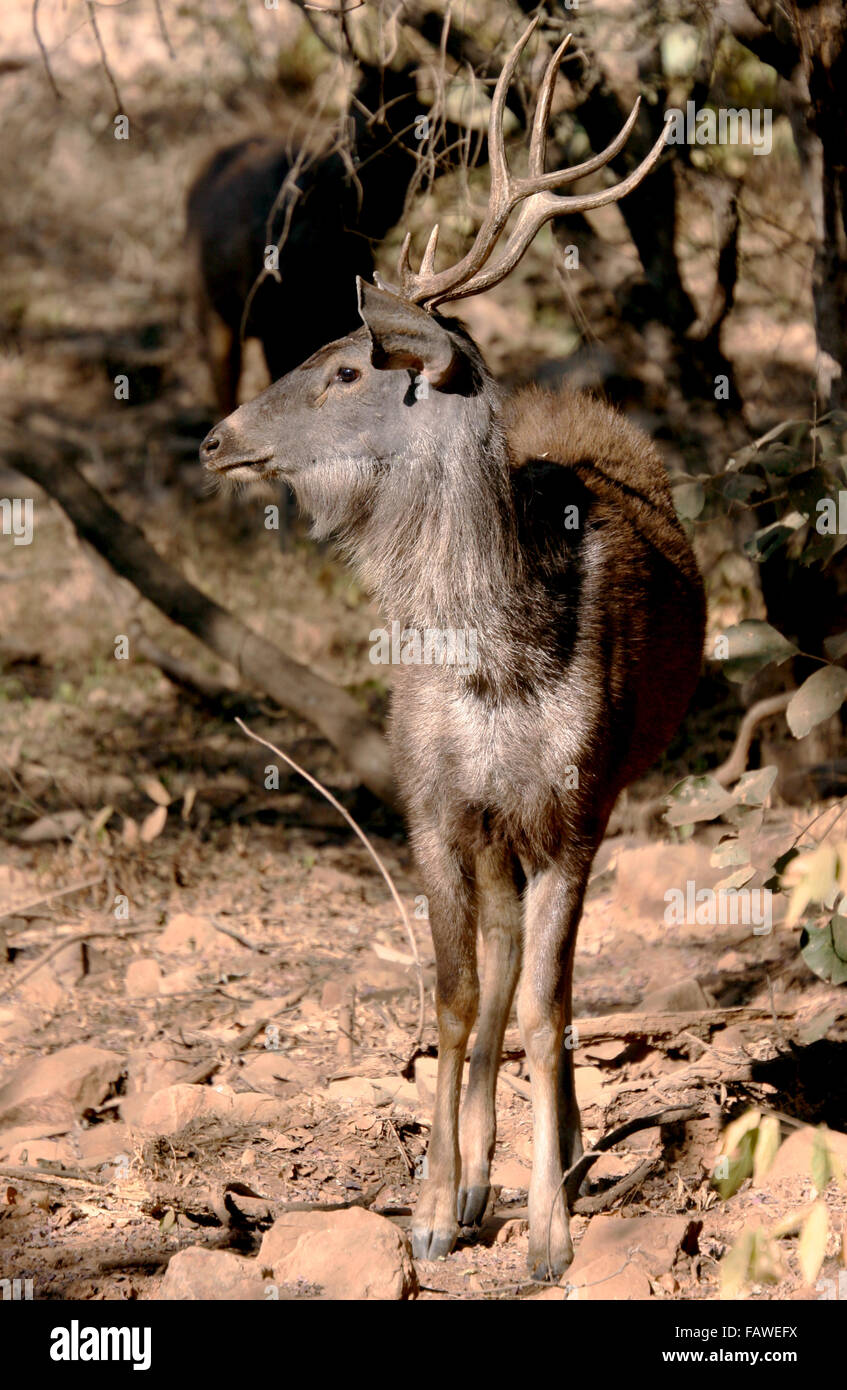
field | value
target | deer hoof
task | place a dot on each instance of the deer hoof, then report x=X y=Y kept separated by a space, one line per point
x=549 y=1272
x=472 y=1203
x=434 y=1228
x=432 y=1244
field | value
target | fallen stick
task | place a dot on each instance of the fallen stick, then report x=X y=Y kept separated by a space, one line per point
x=336 y=714
x=675 y=1114
x=18 y=909
x=69 y=941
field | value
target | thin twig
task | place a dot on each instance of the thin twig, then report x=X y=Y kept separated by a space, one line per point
x=92 y=15
x=18 y=909
x=69 y=941
x=43 y=51
x=371 y=851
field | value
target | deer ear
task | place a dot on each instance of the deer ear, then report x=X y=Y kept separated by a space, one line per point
x=404 y=335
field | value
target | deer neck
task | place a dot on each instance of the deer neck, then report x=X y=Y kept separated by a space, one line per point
x=439 y=547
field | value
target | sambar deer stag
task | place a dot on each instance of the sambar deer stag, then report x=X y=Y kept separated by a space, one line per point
x=457 y=506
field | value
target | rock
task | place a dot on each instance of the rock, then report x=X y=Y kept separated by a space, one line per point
x=794 y=1157
x=604 y=1278
x=511 y=1173
x=374 y=1090
x=142 y=977
x=426 y=1070
x=31 y=1151
x=180 y=981
x=172 y=1109
x=44 y=991
x=189 y=932
x=617 y=1254
x=609 y=1052
x=646 y=872
x=196 y=1274
x=677 y=998
x=589 y=1083
x=264 y=1008
x=334 y=994
x=71 y=965
x=349 y=1255
x=74 y=1079
x=154 y=1067
x=514 y=1228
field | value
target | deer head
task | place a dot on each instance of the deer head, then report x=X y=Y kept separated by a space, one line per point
x=409 y=389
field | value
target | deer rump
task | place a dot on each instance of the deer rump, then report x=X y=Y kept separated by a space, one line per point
x=234 y=214
x=598 y=664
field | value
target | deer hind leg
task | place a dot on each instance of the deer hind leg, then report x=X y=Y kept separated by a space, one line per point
x=500 y=922
x=223 y=347
x=449 y=889
x=553 y=907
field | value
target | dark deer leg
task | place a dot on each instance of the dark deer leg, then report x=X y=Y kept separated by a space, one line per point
x=500 y=924
x=434 y=1226
x=553 y=907
x=224 y=350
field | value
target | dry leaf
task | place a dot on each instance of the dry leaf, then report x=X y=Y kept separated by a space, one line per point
x=156 y=792
x=389 y=953
x=153 y=824
x=811 y=1247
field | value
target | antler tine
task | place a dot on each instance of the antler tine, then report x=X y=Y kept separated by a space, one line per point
x=503 y=195
x=540 y=206
x=557 y=178
x=473 y=273
x=538 y=143
x=428 y=258
x=500 y=178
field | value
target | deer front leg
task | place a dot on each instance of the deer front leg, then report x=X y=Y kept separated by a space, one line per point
x=553 y=907
x=434 y=1225
x=500 y=925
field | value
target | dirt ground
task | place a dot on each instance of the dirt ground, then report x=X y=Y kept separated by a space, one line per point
x=225 y=1005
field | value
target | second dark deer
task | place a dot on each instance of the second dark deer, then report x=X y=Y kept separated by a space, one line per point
x=544 y=525
x=327 y=221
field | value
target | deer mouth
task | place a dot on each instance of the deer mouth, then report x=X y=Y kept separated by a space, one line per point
x=254 y=467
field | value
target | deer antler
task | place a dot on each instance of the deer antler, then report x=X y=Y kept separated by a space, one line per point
x=471 y=275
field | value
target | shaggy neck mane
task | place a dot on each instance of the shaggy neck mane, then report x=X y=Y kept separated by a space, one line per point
x=439 y=547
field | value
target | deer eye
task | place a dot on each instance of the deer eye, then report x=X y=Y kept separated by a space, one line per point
x=347 y=374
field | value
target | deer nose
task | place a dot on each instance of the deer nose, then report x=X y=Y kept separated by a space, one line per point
x=211 y=445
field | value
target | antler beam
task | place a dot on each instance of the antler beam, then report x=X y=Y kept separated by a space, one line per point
x=472 y=274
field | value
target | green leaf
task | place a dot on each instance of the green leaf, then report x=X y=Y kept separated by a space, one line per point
x=774 y=882
x=765 y=542
x=729 y=854
x=689 y=499
x=753 y=645
x=811 y=1247
x=767 y=1144
x=812 y=878
x=783 y=459
x=740 y=487
x=824 y=949
x=753 y=788
x=821 y=1165
x=735 y=1265
x=753 y=1259
x=735 y=1159
x=695 y=799
x=818 y=698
